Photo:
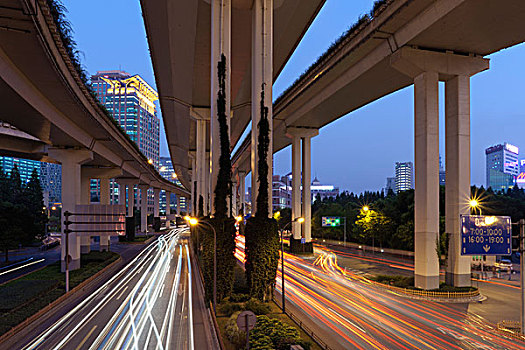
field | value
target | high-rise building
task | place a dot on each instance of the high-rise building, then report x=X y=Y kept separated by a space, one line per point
x=281 y=192
x=390 y=184
x=131 y=102
x=166 y=171
x=51 y=180
x=404 y=176
x=25 y=167
x=442 y=173
x=502 y=166
x=50 y=175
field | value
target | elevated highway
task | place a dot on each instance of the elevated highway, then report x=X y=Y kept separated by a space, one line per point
x=46 y=98
x=403 y=42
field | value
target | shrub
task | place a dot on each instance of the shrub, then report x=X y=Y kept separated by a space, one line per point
x=227 y=308
x=239 y=298
x=257 y=307
x=282 y=336
x=233 y=333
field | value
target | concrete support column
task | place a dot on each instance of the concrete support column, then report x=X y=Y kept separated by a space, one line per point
x=156 y=202
x=121 y=193
x=131 y=199
x=234 y=198
x=104 y=191
x=220 y=45
x=242 y=191
x=262 y=78
x=144 y=208
x=296 y=186
x=85 y=198
x=201 y=162
x=194 y=193
x=71 y=161
x=208 y=195
x=427 y=180
x=104 y=199
x=168 y=208
x=307 y=194
x=457 y=195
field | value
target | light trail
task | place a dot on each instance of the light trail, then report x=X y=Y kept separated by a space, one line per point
x=356 y=314
x=135 y=308
x=21 y=267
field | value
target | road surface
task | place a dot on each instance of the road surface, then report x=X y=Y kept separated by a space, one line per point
x=149 y=304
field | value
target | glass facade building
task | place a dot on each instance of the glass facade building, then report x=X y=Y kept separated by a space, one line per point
x=404 y=176
x=166 y=171
x=502 y=166
x=49 y=174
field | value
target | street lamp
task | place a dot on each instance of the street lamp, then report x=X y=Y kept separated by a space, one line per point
x=299 y=220
x=474 y=204
x=195 y=222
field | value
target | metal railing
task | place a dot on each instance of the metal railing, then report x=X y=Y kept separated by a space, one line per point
x=426 y=293
x=305 y=328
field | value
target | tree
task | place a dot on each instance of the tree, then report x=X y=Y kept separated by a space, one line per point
x=12 y=219
x=34 y=203
x=262 y=238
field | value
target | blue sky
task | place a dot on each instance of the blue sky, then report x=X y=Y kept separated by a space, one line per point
x=358 y=151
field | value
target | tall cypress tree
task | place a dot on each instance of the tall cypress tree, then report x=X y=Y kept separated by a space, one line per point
x=15 y=186
x=34 y=203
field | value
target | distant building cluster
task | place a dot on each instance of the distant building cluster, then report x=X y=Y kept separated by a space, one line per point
x=166 y=171
x=282 y=191
x=503 y=167
x=50 y=176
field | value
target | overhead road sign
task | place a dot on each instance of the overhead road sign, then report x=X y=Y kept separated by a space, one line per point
x=486 y=235
x=331 y=221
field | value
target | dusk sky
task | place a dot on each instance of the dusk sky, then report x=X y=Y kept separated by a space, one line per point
x=358 y=151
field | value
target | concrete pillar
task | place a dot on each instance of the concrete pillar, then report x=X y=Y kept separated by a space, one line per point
x=242 y=191
x=296 y=186
x=201 y=162
x=427 y=180
x=131 y=199
x=104 y=199
x=85 y=198
x=71 y=161
x=121 y=193
x=234 y=198
x=144 y=208
x=208 y=195
x=307 y=194
x=427 y=67
x=104 y=191
x=220 y=45
x=457 y=189
x=262 y=77
x=168 y=209
x=194 y=195
x=156 y=202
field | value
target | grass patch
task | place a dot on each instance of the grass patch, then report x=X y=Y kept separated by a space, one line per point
x=27 y=295
x=139 y=239
x=408 y=282
x=274 y=312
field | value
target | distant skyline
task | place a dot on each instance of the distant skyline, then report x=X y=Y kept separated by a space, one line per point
x=358 y=151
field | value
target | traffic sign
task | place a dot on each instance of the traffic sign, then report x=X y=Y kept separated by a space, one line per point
x=486 y=235
x=246 y=320
x=331 y=221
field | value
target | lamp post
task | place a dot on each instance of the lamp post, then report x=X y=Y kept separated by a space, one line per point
x=474 y=204
x=194 y=222
x=299 y=220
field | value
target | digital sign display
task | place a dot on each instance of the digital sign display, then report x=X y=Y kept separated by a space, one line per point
x=331 y=221
x=486 y=235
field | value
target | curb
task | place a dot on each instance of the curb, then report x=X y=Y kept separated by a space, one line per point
x=447 y=297
x=16 y=329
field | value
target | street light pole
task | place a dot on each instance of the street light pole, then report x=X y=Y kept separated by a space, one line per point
x=300 y=220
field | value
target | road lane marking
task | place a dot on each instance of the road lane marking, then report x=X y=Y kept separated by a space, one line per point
x=86 y=338
x=123 y=290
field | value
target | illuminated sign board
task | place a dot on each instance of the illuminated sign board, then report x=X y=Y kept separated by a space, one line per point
x=512 y=148
x=331 y=221
x=521 y=178
x=485 y=235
